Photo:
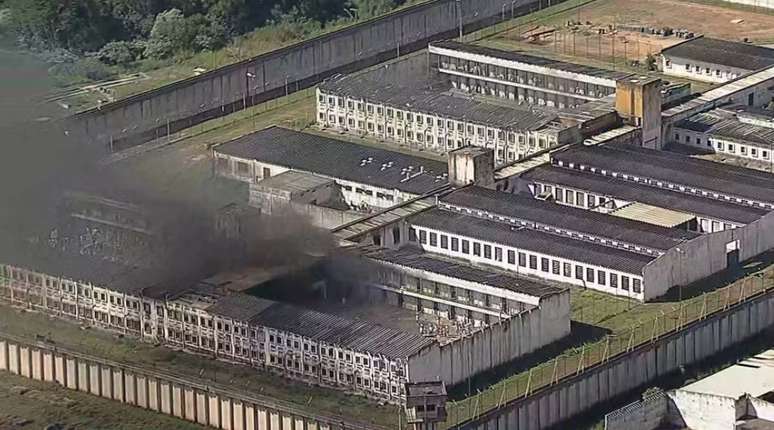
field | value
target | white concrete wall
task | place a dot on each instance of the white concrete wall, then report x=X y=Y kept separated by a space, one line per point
x=149 y=389
x=705 y=255
x=769 y=4
x=557 y=405
x=697 y=70
x=499 y=343
x=760 y=408
x=702 y=411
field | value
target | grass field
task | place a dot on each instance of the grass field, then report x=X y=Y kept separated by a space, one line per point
x=26 y=403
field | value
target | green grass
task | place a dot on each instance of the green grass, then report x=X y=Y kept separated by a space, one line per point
x=627 y=324
x=43 y=404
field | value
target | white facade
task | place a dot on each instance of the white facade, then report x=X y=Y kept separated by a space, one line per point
x=723 y=145
x=429 y=131
x=358 y=196
x=698 y=70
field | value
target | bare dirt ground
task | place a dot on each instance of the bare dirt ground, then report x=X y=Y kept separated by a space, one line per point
x=591 y=34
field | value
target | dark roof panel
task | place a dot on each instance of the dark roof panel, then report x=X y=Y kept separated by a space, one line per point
x=670 y=167
x=716 y=51
x=338 y=159
x=625 y=190
x=526 y=207
x=436 y=99
x=532 y=59
x=532 y=240
x=416 y=259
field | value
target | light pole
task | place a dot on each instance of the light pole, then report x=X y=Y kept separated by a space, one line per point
x=248 y=76
x=502 y=18
x=459 y=16
x=513 y=4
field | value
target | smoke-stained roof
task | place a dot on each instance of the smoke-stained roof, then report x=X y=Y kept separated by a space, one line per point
x=335 y=158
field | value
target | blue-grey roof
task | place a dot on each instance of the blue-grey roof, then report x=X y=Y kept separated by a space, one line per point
x=531 y=240
x=525 y=207
x=335 y=158
x=634 y=192
x=744 y=56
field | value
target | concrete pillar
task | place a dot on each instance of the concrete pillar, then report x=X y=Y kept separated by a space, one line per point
x=60 y=370
x=299 y=423
x=94 y=378
x=83 y=375
x=3 y=355
x=202 y=409
x=275 y=420
x=250 y=423
x=189 y=399
x=165 y=397
x=36 y=361
x=49 y=368
x=153 y=394
x=225 y=414
x=141 y=383
x=178 y=401
x=72 y=375
x=213 y=405
x=238 y=415
x=25 y=365
x=311 y=425
x=262 y=418
x=106 y=381
x=13 y=358
x=130 y=388
x=118 y=385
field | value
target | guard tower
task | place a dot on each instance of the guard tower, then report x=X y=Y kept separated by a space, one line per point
x=425 y=405
x=638 y=102
x=471 y=165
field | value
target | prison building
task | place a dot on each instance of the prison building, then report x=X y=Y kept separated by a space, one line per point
x=740 y=131
x=436 y=119
x=524 y=78
x=517 y=315
x=365 y=178
x=555 y=242
x=618 y=197
x=714 y=60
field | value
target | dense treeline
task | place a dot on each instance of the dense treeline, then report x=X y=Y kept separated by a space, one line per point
x=121 y=31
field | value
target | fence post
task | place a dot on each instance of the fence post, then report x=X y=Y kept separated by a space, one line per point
x=556 y=364
x=529 y=381
x=580 y=362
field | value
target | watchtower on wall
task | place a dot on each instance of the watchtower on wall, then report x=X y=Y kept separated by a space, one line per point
x=425 y=405
x=638 y=102
x=471 y=165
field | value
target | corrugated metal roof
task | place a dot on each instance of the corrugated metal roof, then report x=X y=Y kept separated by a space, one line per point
x=626 y=190
x=490 y=276
x=294 y=181
x=532 y=240
x=724 y=52
x=335 y=158
x=438 y=100
x=652 y=215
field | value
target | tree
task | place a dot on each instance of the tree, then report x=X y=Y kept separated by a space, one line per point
x=120 y=53
x=172 y=33
x=371 y=8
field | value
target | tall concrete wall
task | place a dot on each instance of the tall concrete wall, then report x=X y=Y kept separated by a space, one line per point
x=554 y=405
x=646 y=414
x=149 y=389
x=176 y=106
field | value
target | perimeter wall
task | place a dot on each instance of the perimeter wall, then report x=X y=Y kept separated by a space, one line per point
x=168 y=109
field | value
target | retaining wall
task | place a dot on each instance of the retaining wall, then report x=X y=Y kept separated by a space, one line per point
x=168 y=109
x=148 y=389
x=554 y=405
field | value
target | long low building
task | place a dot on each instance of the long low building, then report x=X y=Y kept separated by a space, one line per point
x=730 y=210
x=737 y=130
x=320 y=348
x=524 y=78
x=436 y=118
x=714 y=60
x=366 y=178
